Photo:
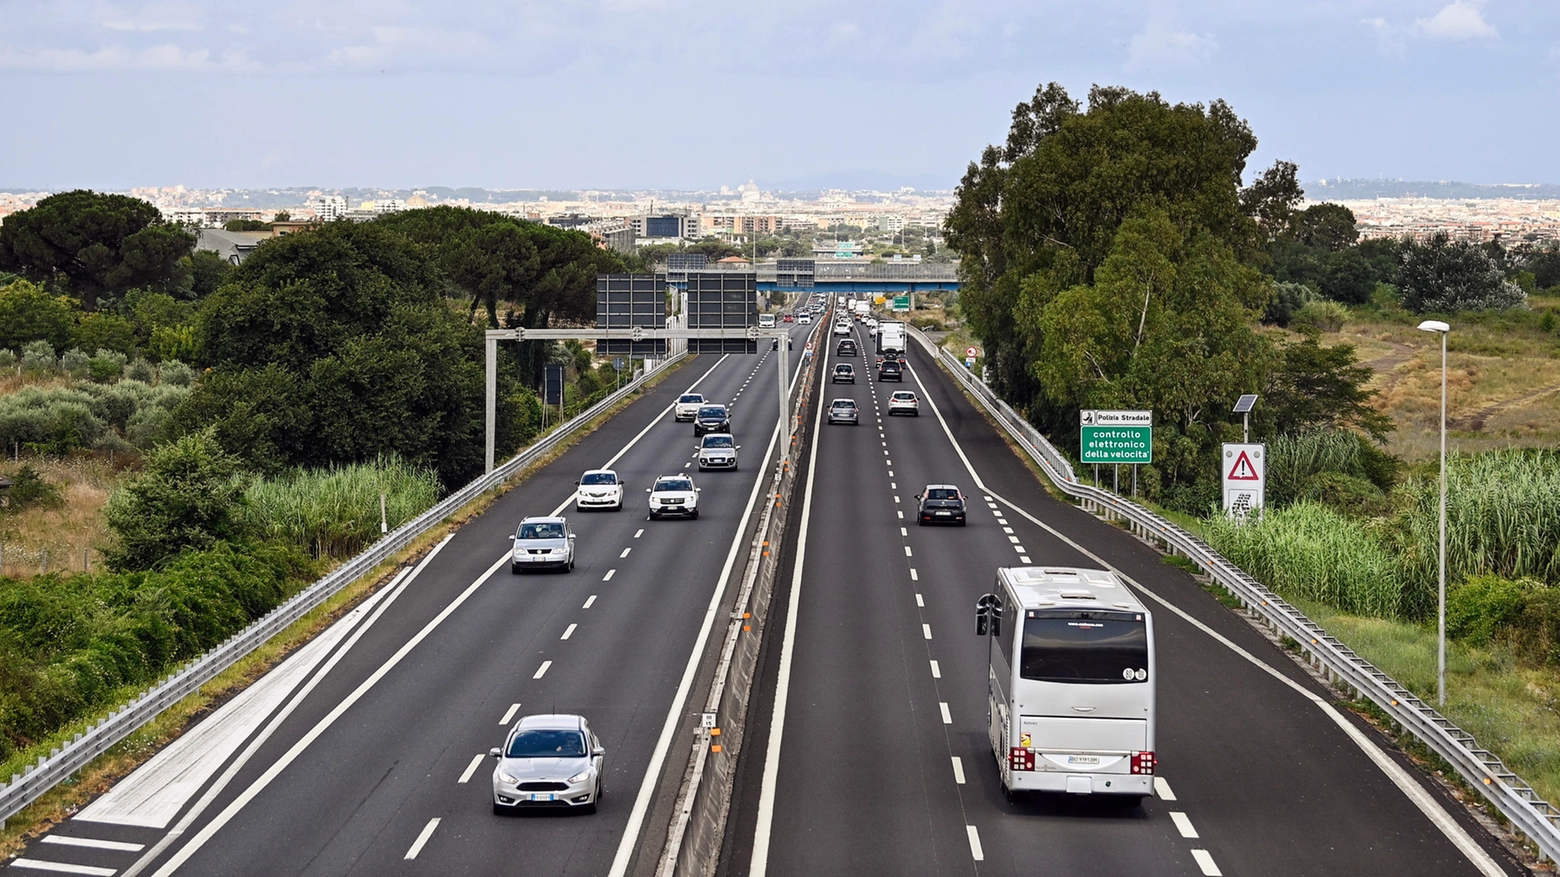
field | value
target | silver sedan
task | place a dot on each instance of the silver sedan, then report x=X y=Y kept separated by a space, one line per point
x=844 y=411
x=549 y=761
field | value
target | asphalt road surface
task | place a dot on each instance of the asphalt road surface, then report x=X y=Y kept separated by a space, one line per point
x=367 y=752
x=870 y=755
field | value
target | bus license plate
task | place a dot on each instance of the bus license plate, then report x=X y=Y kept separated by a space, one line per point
x=544 y=797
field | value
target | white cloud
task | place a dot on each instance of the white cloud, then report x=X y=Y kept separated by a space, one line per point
x=1390 y=38
x=165 y=56
x=1460 y=20
x=1162 y=44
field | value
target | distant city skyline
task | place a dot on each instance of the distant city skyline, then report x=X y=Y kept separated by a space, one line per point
x=694 y=94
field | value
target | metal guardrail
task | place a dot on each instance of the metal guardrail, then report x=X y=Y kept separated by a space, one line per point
x=1531 y=815
x=694 y=839
x=63 y=762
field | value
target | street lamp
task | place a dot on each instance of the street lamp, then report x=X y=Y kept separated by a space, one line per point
x=1441 y=328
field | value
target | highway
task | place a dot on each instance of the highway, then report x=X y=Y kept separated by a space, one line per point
x=366 y=752
x=869 y=752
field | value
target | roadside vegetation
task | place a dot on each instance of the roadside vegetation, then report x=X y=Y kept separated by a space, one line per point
x=1172 y=288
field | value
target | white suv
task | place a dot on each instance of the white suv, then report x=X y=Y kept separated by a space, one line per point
x=904 y=402
x=673 y=495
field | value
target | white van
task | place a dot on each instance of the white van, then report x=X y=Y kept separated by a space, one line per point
x=1070 y=682
x=766 y=321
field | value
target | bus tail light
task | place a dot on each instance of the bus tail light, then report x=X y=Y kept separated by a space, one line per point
x=1143 y=762
x=1020 y=758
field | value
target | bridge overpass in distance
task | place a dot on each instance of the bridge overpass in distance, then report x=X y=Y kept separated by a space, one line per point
x=835 y=277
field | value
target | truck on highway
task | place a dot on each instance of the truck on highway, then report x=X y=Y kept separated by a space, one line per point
x=861 y=308
x=891 y=339
x=1069 y=682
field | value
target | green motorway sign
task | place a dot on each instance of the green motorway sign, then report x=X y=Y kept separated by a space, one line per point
x=1117 y=437
x=902 y=302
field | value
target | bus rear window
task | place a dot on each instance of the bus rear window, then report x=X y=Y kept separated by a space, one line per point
x=1097 y=648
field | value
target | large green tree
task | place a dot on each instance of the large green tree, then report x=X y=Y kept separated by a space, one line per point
x=28 y=313
x=102 y=245
x=334 y=345
x=1445 y=276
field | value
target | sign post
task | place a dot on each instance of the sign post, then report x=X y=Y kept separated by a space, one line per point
x=1243 y=468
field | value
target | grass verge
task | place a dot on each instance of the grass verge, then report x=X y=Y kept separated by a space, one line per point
x=59 y=803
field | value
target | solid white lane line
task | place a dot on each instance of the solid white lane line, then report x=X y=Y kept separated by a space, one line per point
x=1183 y=823
x=63 y=868
x=1394 y=772
x=639 y=532
x=609 y=575
x=625 y=552
x=589 y=601
x=943 y=705
x=509 y=714
x=936 y=671
x=1205 y=862
x=94 y=843
x=422 y=838
x=918 y=601
x=674 y=715
x=907 y=551
x=542 y=670
x=913 y=576
x=476 y=762
x=958 y=770
x=926 y=631
x=976 y=852
x=569 y=631
x=1162 y=789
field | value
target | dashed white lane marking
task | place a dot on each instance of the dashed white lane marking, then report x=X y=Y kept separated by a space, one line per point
x=947 y=717
x=1205 y=862
x=94 y=843
x=896 y=499
x=885 y=453
x=609 y=575
x=884 y=444
x=1024 y=559
x=1008 y=530
x=903 y=532
x=913 y=576
x=891 y=472
x=976 y=852
x=1183 y=823
x=1019 y=548
x=1013 y=539
x=1001 y=520
x=476 y=762
x=936 y=671
x=993 y=505
x=639 y=532
x=1162 y=789
x=919 y=602
x=62 y=867
x=509 y=713
x=422 y=838
x=926 y=631
x=589 y=601
x=568 y=631
x=988 y=499
x=892 y=486
x=900 y=514
x=542 y=670
x=958 y=770
x=686 y=465
x=907 y=551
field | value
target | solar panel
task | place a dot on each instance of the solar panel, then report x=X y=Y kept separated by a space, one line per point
x=1245 y=403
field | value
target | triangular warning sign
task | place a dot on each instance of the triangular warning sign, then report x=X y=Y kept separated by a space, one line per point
x=1243 y=470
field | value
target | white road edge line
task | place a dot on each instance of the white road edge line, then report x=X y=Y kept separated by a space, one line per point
x=476 y=761
x=674 y=716
x=758 y=866
x=1399 y=777
x=62 y=868
x=422 y=838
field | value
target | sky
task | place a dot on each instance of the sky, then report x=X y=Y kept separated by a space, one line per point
x=695 y=94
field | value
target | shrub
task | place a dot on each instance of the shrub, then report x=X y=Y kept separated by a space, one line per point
x=334 y=512
x=187 y=497
x=141 y=370
x=1311 y=552
x=30 y=489
x=148 y=427
x=176 y=373
x=1482 y=607
x=107 y=365
x=38 y=357
x=54 y=421
x=7 y=359
x=1319 y=316
x=76 y=363
x=99 y=331
x=28 y=313
x=1348 y=494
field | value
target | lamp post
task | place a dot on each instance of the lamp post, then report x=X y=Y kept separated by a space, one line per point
x=1441 y=328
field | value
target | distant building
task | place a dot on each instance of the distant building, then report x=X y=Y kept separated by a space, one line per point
x=233 y=246
x=891 y=224
x=329 y=208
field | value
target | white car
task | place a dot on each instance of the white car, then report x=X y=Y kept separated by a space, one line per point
x=717 y=450
x=598 y=489
x=673 y=495
x=687 y=406
x=552 y=761
x=904 y=402
x=842 y=328
x=804 y=318
x=542 y=543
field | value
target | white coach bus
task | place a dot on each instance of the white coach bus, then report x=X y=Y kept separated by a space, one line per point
x=1070 y=682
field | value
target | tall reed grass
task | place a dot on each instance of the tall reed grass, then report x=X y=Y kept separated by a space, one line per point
x=334 y=512
x=1310 y=552
x=1502 y=517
